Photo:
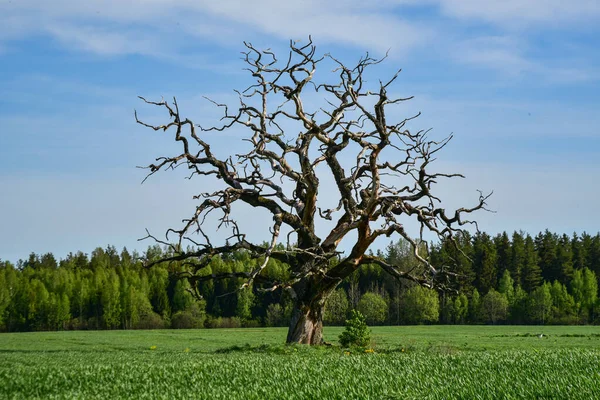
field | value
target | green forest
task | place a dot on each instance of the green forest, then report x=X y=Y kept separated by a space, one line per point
x=504 y=279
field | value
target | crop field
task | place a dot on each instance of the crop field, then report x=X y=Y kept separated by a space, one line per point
x=419 y=362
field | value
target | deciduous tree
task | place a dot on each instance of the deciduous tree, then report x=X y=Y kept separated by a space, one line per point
x=336 y=308
x=420 y=305
x=373 y=307
x=381 y=173
x=494 y=307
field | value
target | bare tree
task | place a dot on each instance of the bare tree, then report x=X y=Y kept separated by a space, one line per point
x=344 y=138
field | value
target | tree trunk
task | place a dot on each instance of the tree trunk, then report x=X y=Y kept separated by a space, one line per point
x=306 y=325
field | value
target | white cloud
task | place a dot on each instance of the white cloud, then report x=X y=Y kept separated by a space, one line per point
x=103 y=27
x=167 y=29
x=509 y=55
x=497 y=52
x=104 y=41
x=524 y=13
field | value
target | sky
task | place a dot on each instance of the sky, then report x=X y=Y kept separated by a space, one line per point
x=517 y=82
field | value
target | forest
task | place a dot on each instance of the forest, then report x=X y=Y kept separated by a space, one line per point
x=502 y=279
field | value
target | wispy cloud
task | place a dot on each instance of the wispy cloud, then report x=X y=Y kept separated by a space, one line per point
x=104 y=41
x=167 y=29
x=84 y=24
x=524 y=14
x=502 y=53
x=510 y=55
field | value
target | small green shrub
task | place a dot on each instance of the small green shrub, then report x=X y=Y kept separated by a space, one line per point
x=151 y=321
x=186 y=320
x=251 y=323
x=356 y=333
x=223 y=322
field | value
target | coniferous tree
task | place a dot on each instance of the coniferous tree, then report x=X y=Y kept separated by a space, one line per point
x=586 y=249
x=75 y=293
x=546 y=246
x=532 y=276
x=579 y=253
x=594 y=255
x=564 y=260
x=48 y=261
x=33 y=262
x=517 y=257
x=158 y=280
x=484 y=261
x=459 y=257
x=503 y=253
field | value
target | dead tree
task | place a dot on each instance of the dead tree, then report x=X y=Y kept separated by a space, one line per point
x=281 y=173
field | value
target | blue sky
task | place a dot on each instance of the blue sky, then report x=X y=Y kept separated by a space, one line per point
x=518 y=82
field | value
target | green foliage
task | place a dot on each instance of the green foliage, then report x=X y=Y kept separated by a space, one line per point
x=474 y=305
x=373 y=307
x=506 y=287
x=356 y=332
x=517 y=259
x=563 y=304
x=518 y=308
x=564 y=260
x=192 y=317
x=585 y=292
x=532 y=274
x=111 y=290
x=245 y=301
x=182 y=298
x=420 y=305
x=223 y=322
x=494 y=307
x=484 y=262
x=460 y=309
x=110 y=301
x=336 y=308
x=275 y=315
x=540 y=304
x=8 y=287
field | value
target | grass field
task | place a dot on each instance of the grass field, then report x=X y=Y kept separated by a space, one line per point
x=424 y=362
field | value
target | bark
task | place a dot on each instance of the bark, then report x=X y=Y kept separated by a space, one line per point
x=306 y=324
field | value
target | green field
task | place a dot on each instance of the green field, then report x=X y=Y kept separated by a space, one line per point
x=424 y=362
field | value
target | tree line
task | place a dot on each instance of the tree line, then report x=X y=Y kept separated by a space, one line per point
x=517 y=279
